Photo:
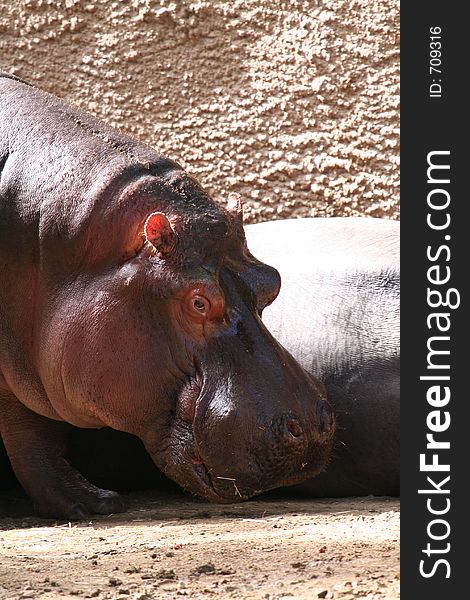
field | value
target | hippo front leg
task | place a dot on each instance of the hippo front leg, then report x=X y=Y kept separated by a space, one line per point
x=36 y=447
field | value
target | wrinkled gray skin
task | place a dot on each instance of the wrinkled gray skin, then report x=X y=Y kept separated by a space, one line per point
x=338 y=315
x=130 y=300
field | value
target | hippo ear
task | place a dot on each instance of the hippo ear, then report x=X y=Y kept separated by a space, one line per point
x=235 y=206
x=159 y=232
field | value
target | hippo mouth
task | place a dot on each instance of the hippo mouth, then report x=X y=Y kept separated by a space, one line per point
x=188 y=399
x=184 y=463
x=207 y=445
x=198 y=478
x=226 y=490
x=194 y=476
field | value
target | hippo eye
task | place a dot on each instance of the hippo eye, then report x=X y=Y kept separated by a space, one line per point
x=201 y=305
x=204 y=303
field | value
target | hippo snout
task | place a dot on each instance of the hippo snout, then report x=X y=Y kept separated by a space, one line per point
x=241 y=452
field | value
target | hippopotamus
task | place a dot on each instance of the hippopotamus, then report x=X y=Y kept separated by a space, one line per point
x=129 y=299
x=338 y=314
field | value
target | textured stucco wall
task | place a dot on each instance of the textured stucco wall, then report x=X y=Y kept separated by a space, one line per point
x=293 y=104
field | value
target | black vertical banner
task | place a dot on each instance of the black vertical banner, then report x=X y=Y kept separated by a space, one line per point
x=435 y=325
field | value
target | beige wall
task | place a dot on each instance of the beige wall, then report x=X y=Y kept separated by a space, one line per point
x=293 y=104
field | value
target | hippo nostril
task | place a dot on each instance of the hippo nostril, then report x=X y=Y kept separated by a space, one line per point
x=325 y=418
x=293 y=427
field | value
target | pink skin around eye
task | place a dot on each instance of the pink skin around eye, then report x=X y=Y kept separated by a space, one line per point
x=206 y=302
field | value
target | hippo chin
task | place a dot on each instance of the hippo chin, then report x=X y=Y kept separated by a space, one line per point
x=129 y=299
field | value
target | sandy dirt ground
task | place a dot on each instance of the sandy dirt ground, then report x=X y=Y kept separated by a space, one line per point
x=173 y=546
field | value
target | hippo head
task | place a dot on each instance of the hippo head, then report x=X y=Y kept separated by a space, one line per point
x=160 y=335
